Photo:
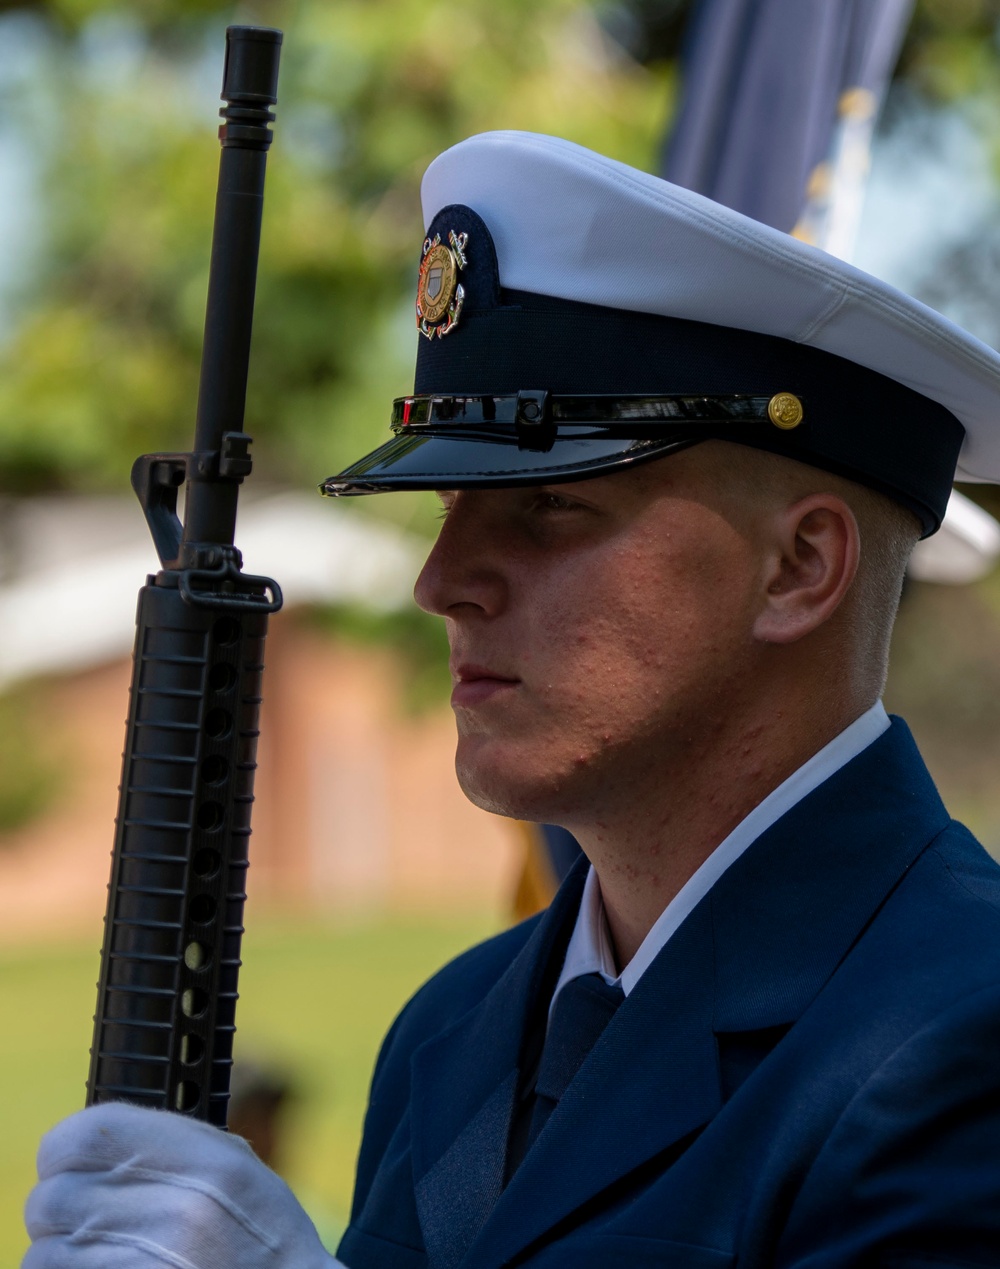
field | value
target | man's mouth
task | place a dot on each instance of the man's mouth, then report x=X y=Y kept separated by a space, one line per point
x=475 y=684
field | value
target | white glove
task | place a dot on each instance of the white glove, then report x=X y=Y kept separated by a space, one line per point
x=125 y=1188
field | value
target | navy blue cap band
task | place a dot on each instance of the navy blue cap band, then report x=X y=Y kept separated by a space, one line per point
x=859 y=423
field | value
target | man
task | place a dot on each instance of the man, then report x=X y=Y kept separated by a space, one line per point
x=682 y=461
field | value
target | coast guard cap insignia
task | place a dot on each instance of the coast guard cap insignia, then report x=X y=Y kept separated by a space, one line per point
x=440 y=295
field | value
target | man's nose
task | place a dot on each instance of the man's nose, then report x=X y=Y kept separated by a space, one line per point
x=464 y=566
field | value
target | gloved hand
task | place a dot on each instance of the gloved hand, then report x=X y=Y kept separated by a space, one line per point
x=125 y=1188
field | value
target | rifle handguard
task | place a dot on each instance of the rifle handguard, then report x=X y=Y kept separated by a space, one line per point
x=167 y=994
x=166 y=1007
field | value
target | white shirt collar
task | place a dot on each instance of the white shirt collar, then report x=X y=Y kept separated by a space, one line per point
x=589 y=947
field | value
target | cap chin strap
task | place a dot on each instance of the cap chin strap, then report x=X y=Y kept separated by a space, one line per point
x=537 y=417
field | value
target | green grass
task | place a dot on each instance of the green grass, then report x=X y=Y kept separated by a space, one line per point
x=315 y=1000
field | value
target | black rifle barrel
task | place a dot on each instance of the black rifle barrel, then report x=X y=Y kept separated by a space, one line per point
x=166 y=1007
x=250 y=80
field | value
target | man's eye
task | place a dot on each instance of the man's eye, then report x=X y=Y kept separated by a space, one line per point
x=546 y=501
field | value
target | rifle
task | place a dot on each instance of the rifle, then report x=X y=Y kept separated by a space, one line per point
x=166 y=1004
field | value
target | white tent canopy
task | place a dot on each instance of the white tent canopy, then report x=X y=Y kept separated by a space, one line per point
x=70 y=601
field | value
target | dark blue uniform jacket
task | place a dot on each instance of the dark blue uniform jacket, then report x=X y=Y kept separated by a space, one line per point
x=807 y=1075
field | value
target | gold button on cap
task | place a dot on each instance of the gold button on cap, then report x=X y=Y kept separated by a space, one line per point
x=785 y=410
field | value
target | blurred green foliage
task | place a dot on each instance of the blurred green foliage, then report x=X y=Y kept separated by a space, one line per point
x=951 y=50
x=100 y=362
x=29 y=767
x=117 y=105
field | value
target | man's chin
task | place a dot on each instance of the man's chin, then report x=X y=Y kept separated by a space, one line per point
x=515 y=790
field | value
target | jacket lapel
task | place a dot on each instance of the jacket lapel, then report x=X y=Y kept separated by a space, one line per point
x=464 y=1084
x=754 y=954
x=662 y=1038
x=789 y=910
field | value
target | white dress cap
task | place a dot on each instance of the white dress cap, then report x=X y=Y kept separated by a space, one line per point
x=570 y=223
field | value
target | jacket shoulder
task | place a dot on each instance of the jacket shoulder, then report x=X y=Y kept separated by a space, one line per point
x=936 y=939
x=974 y=872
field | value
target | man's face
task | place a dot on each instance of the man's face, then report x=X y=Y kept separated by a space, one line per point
x=600 y=631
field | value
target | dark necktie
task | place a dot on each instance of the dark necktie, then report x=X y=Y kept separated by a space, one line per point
x=582 y=1010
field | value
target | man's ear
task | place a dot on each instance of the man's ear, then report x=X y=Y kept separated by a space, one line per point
x=815 y=548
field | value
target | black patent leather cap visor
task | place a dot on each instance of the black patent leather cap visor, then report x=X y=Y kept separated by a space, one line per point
x=531 y=437
x=443 y=462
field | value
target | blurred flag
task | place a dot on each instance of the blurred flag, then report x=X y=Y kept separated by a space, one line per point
x=778 y=106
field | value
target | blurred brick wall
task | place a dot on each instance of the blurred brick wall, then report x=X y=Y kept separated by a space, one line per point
x=358 y=809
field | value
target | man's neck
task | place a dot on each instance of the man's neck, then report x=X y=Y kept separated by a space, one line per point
x=644 y=857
